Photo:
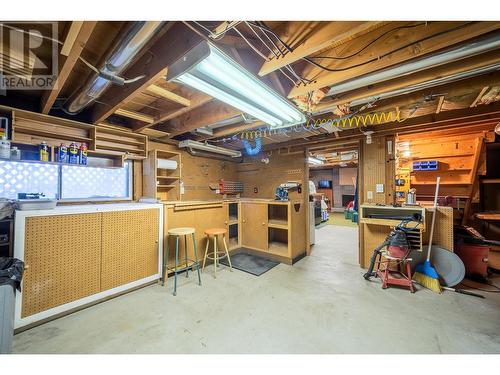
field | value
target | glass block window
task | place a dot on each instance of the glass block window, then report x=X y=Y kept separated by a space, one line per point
x=66 y=182
x=95 y=183
x=25 y=177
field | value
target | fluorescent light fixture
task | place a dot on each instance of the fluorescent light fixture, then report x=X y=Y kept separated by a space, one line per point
x=313 y=160
x=208 y=69
x=209 y=148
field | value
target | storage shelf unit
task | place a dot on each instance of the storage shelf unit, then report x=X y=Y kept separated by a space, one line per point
x=30 y=129
x=233 y=227
x=273 y=228
x=158 y=183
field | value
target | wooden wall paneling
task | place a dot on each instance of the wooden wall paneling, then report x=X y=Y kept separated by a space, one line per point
x=200 y=219
x=129 y=246
x=198 y=172
x=63 y=260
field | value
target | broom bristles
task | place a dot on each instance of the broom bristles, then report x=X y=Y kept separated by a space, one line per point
x=427 y=282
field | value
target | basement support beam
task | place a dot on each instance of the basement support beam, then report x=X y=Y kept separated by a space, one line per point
x=169 y=95
x=478 y=98
x=76 y=39
x=168 y=47
x=316 y=37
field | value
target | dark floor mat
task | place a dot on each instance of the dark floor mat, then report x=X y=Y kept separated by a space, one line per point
x=250 y=263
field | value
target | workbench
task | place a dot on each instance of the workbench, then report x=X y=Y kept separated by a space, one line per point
x=374 y=230
x=267 y=227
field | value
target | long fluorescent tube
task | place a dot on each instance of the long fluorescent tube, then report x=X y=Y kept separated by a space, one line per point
x=208 y=69
x=210 y=148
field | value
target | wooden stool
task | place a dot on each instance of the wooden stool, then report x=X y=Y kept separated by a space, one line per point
x=177 y=232
x=214 y=255
x=386 y=274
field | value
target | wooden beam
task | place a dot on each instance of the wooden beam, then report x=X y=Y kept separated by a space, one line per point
x=169 y=95
x=478 y=98
x=399 y=39
x=135 y=115
x=316 y=36
x=224 y=26
x=207 y=114
x=65 y=69
x=169 y=47
x=440 y=104
x=196 y=100
x=74 y=31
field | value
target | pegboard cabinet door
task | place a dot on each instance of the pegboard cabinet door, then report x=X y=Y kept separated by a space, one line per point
x=62 y=254
x=129 y=246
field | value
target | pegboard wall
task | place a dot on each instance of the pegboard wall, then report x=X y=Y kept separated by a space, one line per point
x=129 y=246
x=63 y=260
x=443 y=230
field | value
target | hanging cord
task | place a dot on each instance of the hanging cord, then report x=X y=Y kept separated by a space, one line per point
x=253 y=47
x=370 y=43
x=310 y=61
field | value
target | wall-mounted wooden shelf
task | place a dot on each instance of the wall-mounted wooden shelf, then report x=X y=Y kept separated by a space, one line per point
x=103 y=141
x=158 y=183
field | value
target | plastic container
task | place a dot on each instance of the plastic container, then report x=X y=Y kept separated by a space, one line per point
x=4 y=148
x=15 y=153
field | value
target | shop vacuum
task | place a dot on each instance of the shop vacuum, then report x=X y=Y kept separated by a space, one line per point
x=396 y=242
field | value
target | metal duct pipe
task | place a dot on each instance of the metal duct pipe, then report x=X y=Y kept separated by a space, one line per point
x=420 y=86
x=122 y=55
x=468 y=50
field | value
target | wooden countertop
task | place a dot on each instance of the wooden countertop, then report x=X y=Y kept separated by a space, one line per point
x=490 y=216
x=220 y=202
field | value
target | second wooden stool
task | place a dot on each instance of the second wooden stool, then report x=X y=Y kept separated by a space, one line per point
x=215 y=254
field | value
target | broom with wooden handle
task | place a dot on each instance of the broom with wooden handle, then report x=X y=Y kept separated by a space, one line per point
x=425 y=274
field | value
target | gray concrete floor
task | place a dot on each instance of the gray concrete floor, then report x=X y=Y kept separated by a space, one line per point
x=320 y=305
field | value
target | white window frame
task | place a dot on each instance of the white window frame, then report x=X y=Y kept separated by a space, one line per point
x=59 y=184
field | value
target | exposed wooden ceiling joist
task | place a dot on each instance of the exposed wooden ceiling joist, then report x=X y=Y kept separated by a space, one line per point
x=456 y=67
x=313 y=37
x=169 y=95
x=478 y=98
x=169 y=47
x=197 y=99
x=76 y=39
x=134 y=115
x=207 y=114
x=392 y=42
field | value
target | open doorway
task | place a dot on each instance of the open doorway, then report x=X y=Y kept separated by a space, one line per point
x=333 y=177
